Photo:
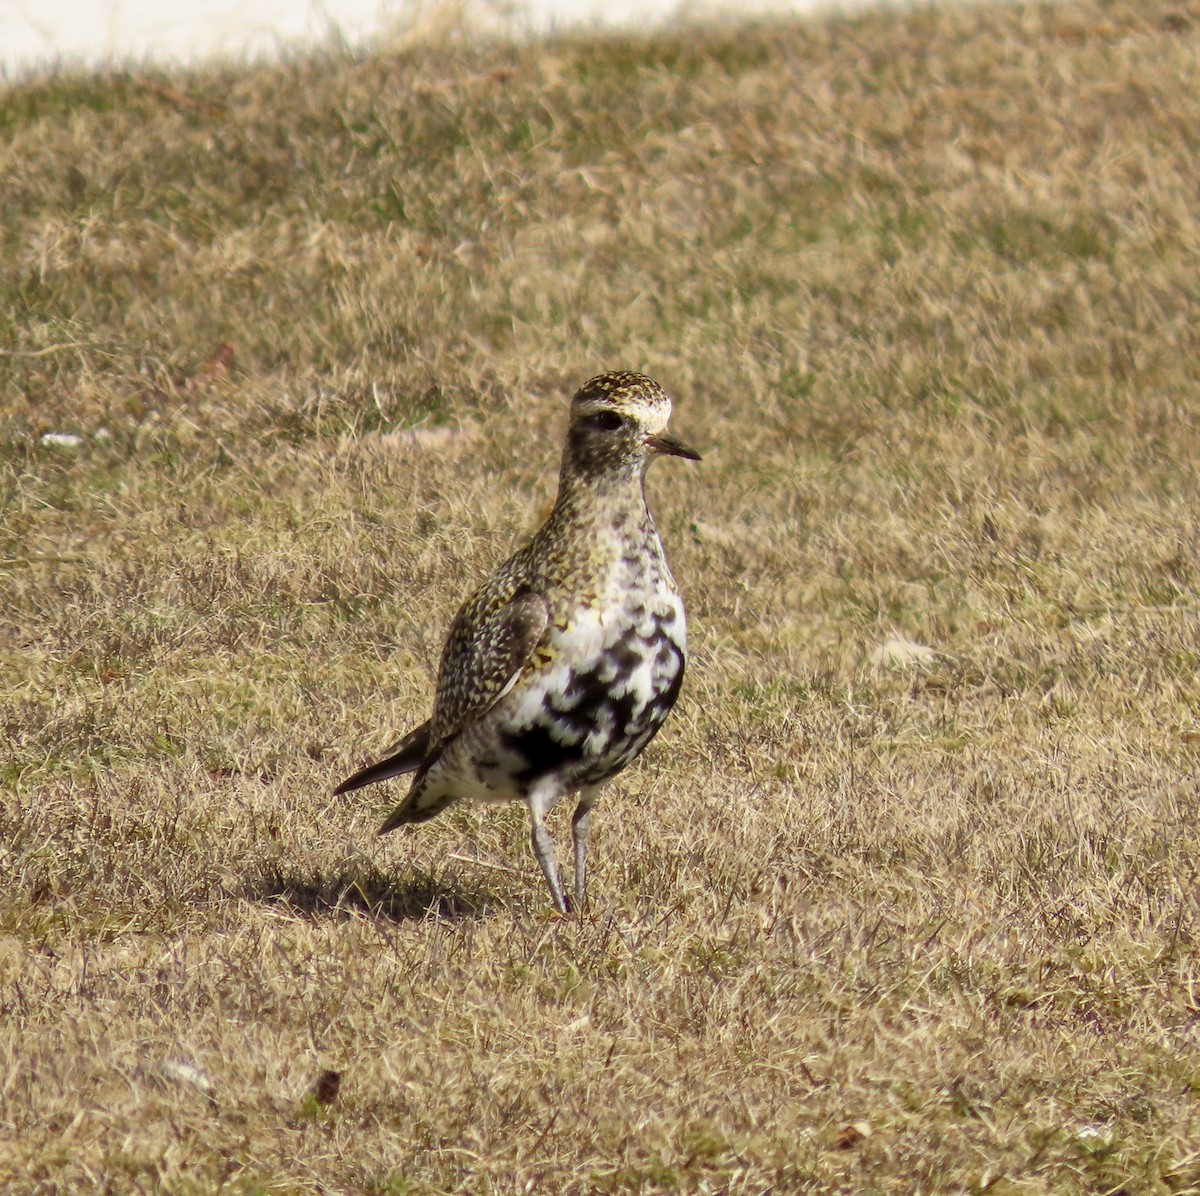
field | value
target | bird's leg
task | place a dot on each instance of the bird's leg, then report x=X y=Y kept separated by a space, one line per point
x=540 y=800
x=579 y=833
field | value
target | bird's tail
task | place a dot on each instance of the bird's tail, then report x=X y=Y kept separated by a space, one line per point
x=407 y=756
x=419 y=806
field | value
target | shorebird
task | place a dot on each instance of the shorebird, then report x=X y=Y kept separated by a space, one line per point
x=561 y=668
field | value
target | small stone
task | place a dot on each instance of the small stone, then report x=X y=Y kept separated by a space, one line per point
x=902 y=653
x=61 y=440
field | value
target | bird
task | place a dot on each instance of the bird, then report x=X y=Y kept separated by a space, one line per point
x=560 y=669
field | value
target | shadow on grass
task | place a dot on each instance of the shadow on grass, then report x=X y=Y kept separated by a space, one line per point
x=366 y=890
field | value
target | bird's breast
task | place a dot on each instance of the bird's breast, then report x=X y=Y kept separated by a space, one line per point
x=605 y=676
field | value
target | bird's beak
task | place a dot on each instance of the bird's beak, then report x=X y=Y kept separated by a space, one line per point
x=672 y=447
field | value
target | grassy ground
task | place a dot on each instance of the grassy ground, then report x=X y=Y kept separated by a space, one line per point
x=924 y=288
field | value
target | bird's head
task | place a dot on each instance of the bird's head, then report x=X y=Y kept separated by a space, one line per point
x=619 y=422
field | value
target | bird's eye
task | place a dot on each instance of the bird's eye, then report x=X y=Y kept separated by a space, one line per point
x=608 y=421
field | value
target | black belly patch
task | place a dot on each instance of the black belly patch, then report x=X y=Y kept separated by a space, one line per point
x=541 y=751
x=587 y=733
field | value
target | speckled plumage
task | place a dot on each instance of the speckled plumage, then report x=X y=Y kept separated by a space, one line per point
x=560 y=669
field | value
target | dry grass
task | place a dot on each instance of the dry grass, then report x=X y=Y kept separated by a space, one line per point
x=924 y=287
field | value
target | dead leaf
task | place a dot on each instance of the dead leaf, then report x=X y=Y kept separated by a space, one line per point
x=219 y=361
x=326 y=1086
x=853 y=1135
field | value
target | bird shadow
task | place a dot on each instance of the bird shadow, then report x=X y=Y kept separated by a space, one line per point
x=360 y=890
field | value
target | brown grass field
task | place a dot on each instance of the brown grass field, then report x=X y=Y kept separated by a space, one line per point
x=924 y=287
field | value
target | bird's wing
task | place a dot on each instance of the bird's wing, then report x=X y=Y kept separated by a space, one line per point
x=490 y=642
x=406 y=756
